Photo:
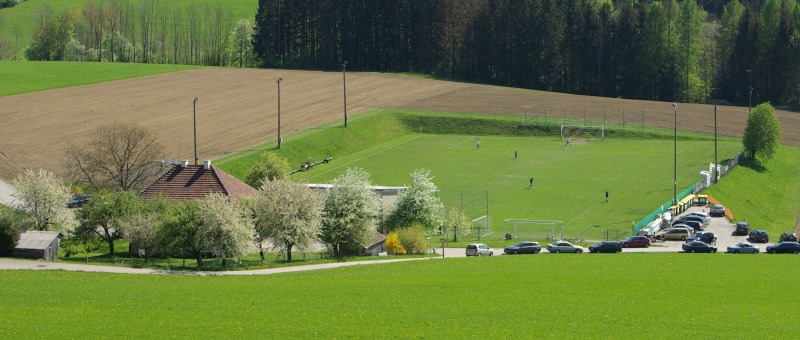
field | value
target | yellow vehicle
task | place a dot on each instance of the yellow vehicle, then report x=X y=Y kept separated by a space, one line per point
x=701 y=200
x=677 y=234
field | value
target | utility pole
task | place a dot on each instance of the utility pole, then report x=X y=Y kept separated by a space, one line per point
x=194 y=116
x=344 y=84
x=279 y=111
x=675 y=161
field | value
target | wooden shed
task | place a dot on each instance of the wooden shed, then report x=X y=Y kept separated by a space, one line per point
x=38 y=245
x=376 y=246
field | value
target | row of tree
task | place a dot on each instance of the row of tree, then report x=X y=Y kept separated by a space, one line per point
x=145 y=31
x=655 y=50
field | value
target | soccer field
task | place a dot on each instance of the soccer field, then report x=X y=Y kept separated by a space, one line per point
x=569 y=181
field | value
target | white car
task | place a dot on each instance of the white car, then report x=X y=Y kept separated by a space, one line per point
x=706 y=216
x=564 y=247
x=479 y=249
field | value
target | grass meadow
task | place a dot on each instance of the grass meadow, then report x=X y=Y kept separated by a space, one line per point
x=30 y=76
x=569 y=181
x=635 y=295
x=22 y=15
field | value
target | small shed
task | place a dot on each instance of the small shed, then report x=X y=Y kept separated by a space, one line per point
x=376 y=245
x=38 y=245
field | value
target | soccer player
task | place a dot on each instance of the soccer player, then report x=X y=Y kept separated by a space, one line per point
x=568 y=142
x=531 y=187
x=479 y=143
x=606 y=195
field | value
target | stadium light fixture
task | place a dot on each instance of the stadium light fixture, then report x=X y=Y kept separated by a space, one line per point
x=279 y=111
x=194 y=119
x=344 y=85
x=675 y=159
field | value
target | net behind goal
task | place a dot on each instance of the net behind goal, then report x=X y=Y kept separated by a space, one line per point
x=532 y=229
x=583 y=132
x=481 y=227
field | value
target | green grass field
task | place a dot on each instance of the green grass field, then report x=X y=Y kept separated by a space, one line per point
x=569 y=182
x=598 y=296
x=30 y=76
x=22 y=15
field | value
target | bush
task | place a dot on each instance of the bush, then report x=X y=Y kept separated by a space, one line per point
x=9 y=236
x=393 y=245
x=413 y=239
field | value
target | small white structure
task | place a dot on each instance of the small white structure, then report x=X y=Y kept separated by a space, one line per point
x=38 y=245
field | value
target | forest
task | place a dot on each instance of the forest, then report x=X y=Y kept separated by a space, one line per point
x=688 y=51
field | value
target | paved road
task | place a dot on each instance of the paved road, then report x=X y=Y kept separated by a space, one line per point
x=6 y=193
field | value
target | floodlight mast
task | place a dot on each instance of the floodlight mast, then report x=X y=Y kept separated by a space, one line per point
x=194 y=116
x=279 y=111
x=675 y=159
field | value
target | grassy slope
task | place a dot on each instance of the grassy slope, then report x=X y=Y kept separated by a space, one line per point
x=30 y=76
x=570 y=181
x=22 y=14
x=766 y=195
x=606 y=296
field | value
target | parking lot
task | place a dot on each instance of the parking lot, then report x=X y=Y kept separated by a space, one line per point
x=720 y=226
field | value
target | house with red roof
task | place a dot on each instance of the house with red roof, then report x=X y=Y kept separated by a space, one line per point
x=189 y=182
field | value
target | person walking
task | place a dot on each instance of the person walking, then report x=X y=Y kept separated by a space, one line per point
x=479 y=143
x=531 y=185
x=606 y=195
x=515 y=154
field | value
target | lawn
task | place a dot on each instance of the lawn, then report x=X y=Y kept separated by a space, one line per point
x=30 y=76
x=580 y=296
x=22 y=14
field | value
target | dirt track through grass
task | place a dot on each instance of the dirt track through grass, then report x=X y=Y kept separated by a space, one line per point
x=237 y=108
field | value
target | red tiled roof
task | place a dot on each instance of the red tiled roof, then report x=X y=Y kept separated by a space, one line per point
x=195 y=182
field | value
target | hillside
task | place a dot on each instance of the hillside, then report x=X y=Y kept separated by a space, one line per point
x=237 y=108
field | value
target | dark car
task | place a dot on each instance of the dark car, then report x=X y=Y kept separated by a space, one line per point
x=606 y=247
x=698 y=247
x=523 y=248
x=717 y=211
x=696 y=225
x=635 y=242
x=742 y=228
x=784 y=247
x=685 y=218
x=788 y=237
x=77 y=201
x=704 y=236
x=759 y=236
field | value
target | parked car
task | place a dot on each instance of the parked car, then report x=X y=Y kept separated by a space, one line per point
x=704 y=236
x=695 y=224
x=564 y=247
x=743 y=248
x=606 y=247
x=526 y=247
x=684 y=226
x=742 y=228
x=77 y=201
x=479 y=249
x=635 y=242
x=759 y=236
x=677 y=234
x=717 y=210
x=685 y=218
x=784 y=247
x=698 y=247
x=704 y=215
x=788 y=237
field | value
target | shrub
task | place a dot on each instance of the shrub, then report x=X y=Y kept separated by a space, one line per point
x=393 y=245
x=9 y=236
x=413 y=239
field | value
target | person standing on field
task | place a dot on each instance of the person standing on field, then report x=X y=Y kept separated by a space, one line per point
x=531 y=186
x=479 y=143
x=515 y=154
x=606 y=195
x=569 y=142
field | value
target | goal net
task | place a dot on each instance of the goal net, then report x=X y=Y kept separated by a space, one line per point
x=583 y=132
x=532 y=229
x=481 y=227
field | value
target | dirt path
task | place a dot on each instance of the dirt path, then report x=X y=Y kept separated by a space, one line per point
x=237 y=108
x=6 y=193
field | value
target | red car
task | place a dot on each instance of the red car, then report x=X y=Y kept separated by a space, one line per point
x=636 y=242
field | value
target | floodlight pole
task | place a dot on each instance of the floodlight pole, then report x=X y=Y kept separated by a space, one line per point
x=714 y=170
x=344 y=85
x=194 y=119
x=675 y=161
x=279 y=111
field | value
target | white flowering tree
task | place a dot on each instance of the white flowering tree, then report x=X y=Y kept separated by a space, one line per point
x=457 y=222
x=225 y=228
x=290 y=214
x=350 y=212
x=418 y=203
x=42 y=198
x=142 y=230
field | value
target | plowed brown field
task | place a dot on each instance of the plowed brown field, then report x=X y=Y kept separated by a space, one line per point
x=237 y=108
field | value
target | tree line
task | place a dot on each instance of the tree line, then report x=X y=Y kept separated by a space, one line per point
x=654 y=50
x=143 y=31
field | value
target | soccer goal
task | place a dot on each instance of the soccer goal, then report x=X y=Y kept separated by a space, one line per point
x=583 y=132
x=481 y=227
x=532 y=229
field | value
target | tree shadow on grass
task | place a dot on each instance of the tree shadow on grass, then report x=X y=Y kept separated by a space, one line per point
x=753 y=164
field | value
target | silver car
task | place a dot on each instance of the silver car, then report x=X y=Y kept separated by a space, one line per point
x=479 y=249
x=717 y=210
x=743 y=248
x=564 y=247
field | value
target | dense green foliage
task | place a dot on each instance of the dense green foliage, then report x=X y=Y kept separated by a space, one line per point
x=24 y=77
x=587 y=296
x=655 y=50
x=269 y=167
x=762 y=136
x=9 y=235
x=766 y=194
